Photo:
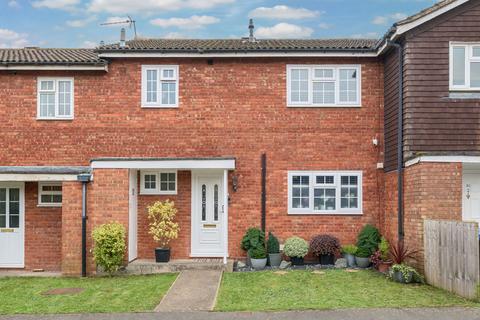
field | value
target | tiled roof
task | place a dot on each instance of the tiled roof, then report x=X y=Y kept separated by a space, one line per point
x=242 y=45
x=425 y=12
x=49 y=56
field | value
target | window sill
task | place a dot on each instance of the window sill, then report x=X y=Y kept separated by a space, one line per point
x=160 y=107
x=325 y=213
x=54 y=119
x=322 y=106
x=464 y=95
x=49 y=205
x=170 y=193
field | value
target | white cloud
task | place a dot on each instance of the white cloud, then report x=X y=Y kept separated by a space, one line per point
x=283 y=12
x=324 y=26
x=284 y=30
x=13 y=4
x=56 y=4
x=389 y=18
x=367 y=35
x=89 y=44
x=12 y=39
x=132 y=6
x=194 y=22
x=80 y=23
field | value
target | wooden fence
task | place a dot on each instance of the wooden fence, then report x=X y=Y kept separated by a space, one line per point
x=452 y=256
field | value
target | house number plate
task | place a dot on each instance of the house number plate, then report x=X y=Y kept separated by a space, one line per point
x=209 y=226
x=7 y=230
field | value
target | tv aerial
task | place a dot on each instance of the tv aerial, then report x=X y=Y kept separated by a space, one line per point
x=129 y=21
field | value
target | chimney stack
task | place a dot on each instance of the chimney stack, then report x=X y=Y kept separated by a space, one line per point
x=122 y=38
x=251 y=38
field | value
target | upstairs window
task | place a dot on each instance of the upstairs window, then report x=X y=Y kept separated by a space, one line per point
x=465 y=66
x=159 y=86
x=325 y=192
x=323 y=86
x=55 y=98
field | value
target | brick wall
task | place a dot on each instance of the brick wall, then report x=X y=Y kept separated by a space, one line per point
x=71 y=228
x=43 y=233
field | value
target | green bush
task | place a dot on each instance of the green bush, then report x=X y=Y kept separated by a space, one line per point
x=368 y=238
x=363 y=252
x=295 y=247
x=257 y=253
x=109 y=246
x=253 y=238
x=349 y=249
x=273 y=246
x=383 y=247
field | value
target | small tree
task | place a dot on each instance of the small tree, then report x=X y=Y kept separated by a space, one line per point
x=163 y=228
x=109 y=246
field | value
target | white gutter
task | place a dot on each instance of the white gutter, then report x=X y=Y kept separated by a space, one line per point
x=53 y=67
x=443 y=159
x=234 y=55
x=37 y=177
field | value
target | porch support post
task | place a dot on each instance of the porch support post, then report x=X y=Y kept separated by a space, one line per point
x=225 y=215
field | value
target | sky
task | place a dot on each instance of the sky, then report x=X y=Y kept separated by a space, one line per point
x=77 y=23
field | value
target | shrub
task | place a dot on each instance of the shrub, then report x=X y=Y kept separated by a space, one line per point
x=253 y=238
x=399 y=253
x=324 y=244
x=383 y=247
x=109 y=246
x=363 y=252
x=273 y=246
x=376 y=258
x=295 y=247
x=163 y=228
x=257 y=253
x=368 y=238
x=350 y=249
x=406 y=271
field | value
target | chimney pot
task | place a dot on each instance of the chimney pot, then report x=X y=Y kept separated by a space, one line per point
x=122 y=38
x=251 y=38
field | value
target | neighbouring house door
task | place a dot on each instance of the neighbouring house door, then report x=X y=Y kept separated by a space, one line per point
x=132 y=216
x=207 y=215
x=12 y=225
x=471 y=197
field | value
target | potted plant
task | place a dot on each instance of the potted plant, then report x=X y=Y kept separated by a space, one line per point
x=349 y=252
x=384 y=252
x=399 y=253
x=325 y=247
x=162 y=227
x=369 y=238
x=362 y=257
x=253 y=238
x=258 y=257
x=403 y=273
x=296 y=249
x=273 y=249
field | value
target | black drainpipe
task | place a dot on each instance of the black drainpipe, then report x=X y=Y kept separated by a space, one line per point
x=84 y=178
x=400 y=140
x=264 y=190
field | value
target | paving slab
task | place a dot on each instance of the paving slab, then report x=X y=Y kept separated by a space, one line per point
x=193 y=290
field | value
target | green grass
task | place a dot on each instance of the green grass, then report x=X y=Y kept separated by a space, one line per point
x=116 y=294
x=336 y=289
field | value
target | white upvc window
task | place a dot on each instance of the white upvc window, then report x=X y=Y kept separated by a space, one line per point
x=54 y=98
x=160 y=86
x=158 y=182
x=325 y=192
x=324 y=85
x=50 y=194
x=464 y=66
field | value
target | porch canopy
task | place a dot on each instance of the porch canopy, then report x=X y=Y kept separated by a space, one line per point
x=224 y=163
x=42 y=173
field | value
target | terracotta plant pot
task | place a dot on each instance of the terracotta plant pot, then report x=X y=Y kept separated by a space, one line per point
x=384 y=266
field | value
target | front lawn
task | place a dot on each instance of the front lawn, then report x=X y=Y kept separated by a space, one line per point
x=334 y=289
x=116 y=294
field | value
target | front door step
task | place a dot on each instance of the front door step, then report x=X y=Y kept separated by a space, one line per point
x=151 y=267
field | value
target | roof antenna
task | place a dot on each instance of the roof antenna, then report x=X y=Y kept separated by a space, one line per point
x=251 y=38
x=129 y=21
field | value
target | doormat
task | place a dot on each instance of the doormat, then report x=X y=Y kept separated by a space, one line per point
x=62 y=291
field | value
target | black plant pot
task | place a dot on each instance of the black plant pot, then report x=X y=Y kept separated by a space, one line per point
x=162 y=254
x=297 y=261
x=327 y=259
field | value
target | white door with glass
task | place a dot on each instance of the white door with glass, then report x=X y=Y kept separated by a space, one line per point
x=132 y=217
x=471 y=197
x=12 y=225
x=207 y=215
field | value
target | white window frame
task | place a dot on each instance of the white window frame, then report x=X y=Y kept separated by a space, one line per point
x=160 y=79
x=157 y=190
x=41 y=192
x=55 y=90
x=336 y=79
x=468 y=59
x=337 y=185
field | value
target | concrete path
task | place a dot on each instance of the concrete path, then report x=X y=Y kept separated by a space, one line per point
x=350 y=314
x=194 y=290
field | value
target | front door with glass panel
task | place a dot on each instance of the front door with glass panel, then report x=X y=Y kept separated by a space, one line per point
x=207 y=215
x=11 y=225
x=471 y=197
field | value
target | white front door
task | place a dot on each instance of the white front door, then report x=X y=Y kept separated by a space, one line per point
x=12 y=225
x=207 y=215
x=132 y=216
x=471 y=197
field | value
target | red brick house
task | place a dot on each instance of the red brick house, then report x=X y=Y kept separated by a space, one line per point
x=295 y=135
